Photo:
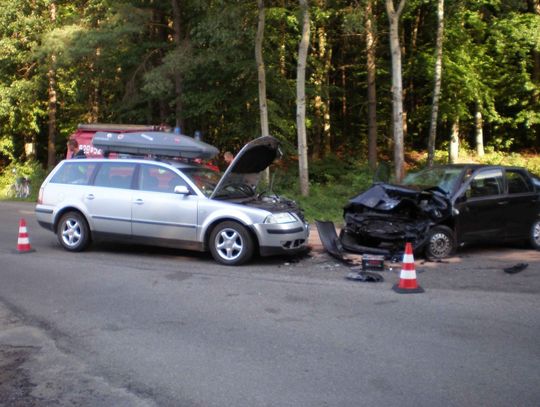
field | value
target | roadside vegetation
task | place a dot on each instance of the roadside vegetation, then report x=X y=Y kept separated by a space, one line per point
x=334 y=180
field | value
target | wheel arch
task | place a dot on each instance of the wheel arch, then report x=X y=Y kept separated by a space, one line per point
x=210 y=227
x=65 y=210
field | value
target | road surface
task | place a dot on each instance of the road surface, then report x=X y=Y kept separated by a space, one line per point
x=137 y=326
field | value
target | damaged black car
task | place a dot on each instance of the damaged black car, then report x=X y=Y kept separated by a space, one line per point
x=439 y=210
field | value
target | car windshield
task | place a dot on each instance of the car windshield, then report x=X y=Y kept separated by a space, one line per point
x=442 y=178
x=236 y=186
x=205 y=178
x=239 y=186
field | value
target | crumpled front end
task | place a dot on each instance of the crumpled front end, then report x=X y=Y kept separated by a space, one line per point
x=383 y=218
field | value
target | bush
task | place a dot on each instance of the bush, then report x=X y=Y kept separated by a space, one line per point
x=29 y=169
x=332 y=184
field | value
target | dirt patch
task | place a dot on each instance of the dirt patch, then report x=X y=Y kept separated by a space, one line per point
x=15 y=385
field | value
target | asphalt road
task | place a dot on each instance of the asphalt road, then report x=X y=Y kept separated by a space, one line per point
x=137 y=326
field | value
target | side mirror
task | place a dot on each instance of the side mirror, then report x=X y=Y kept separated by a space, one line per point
x=181 y=189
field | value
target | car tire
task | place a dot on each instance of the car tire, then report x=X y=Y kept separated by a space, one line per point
x=535 y=235
x=72 y=232
x=231 y=244
x=440 y=243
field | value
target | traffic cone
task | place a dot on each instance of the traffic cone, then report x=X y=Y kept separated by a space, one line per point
x=23 y=242
x=407 y=279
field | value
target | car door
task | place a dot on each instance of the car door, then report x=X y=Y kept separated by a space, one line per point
x=523 y=203
x=108 y=200
x=482 y=207
x=160 y=213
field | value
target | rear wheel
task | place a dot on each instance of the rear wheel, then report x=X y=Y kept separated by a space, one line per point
x=231 y=244
x=535 y=235
x=73 y=232
x=440 y=243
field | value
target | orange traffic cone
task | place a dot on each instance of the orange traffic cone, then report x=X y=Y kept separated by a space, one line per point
x=23 y=242
x=407 y=279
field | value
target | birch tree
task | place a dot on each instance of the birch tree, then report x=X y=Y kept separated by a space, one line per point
x=478 y=130
x=51 y=78
x=177 y=24
x=371 y=68
x=437 y=83
x=453 y=146
x=263 y=108
x=397 y=86
x=301 y=99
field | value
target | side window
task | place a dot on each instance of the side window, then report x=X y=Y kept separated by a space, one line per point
x=486 y=183
x=75 y=173
x=115 y=175
x=158 y=179
x=517 y=183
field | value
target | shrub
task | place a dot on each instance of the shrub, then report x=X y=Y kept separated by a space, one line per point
x=29 y=169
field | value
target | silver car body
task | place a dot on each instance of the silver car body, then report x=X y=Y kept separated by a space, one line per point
x=180 y=215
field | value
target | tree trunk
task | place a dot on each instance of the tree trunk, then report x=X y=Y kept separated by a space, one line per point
x=177 y=25
x=261 y=73
x=301 y=100
x=261 y=70
x=478 y=131
x=325 y=55
x=397 y=87
x=534 y=7
x=453 y=147
x=51 y=76
x=95 y=89
x=437 y=84
x=371 y=67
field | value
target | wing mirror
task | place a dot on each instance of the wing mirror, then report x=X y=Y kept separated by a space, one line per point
x=181 y=189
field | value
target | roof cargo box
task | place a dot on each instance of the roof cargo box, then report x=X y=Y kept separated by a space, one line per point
x=85 y=133
x=155 y=143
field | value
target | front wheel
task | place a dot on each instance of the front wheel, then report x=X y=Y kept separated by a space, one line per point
x=440 y=242
x=535 y=235
x=73 y=232
x=231 y=244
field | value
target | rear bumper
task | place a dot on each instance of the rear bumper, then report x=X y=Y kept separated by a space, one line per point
x=44 y=217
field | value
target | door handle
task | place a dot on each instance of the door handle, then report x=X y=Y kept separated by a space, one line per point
x=90 y=197
x=501 y=203
x=138 y=202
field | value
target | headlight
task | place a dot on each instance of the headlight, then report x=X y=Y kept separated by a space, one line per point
x=282 y=217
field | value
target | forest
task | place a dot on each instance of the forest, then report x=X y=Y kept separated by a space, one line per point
x=366 y=81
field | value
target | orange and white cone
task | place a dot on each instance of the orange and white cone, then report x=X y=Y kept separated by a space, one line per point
x=23 y=242
x=407 y=279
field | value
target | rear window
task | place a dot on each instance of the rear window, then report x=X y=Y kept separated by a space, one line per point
x=76 y=172
x=517 y=183
x=115 y=175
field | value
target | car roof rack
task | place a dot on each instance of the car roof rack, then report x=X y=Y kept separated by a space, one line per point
x=153 y=143
x=118 y=127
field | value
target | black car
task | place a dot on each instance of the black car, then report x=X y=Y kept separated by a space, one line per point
x=442 y=208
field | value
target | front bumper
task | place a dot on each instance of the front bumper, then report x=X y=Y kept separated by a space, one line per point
x=282 y=238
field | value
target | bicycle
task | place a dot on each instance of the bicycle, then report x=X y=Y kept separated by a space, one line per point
x=21 y=187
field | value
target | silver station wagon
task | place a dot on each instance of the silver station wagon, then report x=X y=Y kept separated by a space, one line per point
x=173 y=203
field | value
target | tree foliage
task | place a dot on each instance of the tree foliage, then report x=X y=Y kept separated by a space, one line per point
x=117 y=61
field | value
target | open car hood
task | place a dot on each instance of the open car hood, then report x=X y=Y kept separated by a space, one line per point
x=253 y=158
